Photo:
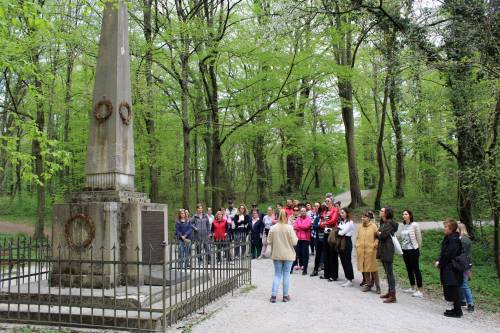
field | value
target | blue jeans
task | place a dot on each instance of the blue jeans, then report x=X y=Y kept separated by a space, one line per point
x=281 y=270
x=466 y=290
x=184 y=251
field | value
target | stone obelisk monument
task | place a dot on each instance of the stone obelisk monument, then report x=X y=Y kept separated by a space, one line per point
x=108 y=220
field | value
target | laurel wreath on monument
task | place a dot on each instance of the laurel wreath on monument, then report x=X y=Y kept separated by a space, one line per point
x=89 y=227
x=109 y=109
x=125 y=107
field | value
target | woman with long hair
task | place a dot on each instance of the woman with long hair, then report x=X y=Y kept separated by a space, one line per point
x=345 y=232
x=411 y=241
x=282 y=239
x=242 y=226
x=219 y=232
x=183 y=233
x=467 y=249
x=385 y=251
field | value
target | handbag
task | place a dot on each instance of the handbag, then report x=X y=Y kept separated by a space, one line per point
x=332 y=238
x=397 y=246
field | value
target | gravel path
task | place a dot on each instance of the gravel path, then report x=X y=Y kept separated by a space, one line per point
x=326 y=306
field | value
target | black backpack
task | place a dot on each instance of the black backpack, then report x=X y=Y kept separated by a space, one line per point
x=462 y=262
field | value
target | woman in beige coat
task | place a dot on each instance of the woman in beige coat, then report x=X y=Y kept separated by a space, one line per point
x=282 y=239
x=366 y=251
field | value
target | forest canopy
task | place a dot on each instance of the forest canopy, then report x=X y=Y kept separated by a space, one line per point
x=254 y=100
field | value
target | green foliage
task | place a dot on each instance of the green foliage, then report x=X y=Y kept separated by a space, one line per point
x=484 y=283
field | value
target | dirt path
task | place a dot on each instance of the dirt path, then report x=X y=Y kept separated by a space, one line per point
x=14 y=228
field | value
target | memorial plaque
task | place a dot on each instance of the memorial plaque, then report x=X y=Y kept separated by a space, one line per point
x=153 y=235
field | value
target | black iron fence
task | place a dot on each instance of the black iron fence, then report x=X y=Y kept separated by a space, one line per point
x=45 y=285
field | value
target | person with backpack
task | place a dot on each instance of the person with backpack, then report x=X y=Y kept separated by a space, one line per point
x=385 y=250
x=451 y=278
x=411 y=242
x=467 y=250
x=320 y=239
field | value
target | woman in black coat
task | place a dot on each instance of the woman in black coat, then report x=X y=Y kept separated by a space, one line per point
x=451 y=279
x=385 y=250
x=242 y=227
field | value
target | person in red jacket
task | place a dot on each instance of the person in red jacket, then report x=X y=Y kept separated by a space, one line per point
x=289 y=208
x=219 y=233
x=328 y=224
x=302 y=228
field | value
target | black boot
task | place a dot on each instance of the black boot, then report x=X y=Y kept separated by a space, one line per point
x=314 y=273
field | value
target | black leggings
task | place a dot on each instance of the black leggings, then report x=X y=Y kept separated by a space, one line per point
x=319 y=253
x=345 y=259
x=411 y=258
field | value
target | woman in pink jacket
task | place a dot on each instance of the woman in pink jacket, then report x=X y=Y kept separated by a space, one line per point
x=302 y=228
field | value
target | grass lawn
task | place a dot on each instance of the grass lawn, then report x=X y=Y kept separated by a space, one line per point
x=484 y=283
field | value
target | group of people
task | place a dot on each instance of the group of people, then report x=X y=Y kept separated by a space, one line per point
x=293 y=232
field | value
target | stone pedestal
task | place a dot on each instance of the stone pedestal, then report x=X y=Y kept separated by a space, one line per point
x=120 y=231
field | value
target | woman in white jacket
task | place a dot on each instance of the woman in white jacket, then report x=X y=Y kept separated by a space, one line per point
x=411 y=242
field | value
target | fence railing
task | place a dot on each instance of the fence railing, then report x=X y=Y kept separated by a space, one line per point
x=92 y=287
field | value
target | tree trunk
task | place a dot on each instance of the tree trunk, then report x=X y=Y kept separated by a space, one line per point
x=399 y=192
x=344 y=58
x=37 y=154
x=260 y=168
x=345 y=93
x=380 y=142
x=149 y=116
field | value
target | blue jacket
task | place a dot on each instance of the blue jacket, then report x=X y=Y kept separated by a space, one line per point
x=183 y=229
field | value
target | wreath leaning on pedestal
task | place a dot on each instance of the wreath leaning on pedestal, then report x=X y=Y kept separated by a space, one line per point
x=89 y=227
x=125 y=108
x=109 y=109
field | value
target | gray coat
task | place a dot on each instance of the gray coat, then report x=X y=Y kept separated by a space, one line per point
x=385 y=250
x=201 y=228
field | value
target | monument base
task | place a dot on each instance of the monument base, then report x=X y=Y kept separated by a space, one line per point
x=108 y=241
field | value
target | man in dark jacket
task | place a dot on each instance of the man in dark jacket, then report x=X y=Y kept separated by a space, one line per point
x=451 y=279
x=385 y=250
x=201 y=227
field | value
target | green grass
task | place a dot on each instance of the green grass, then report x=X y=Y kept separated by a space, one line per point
x=484 y=283
x=423 y=208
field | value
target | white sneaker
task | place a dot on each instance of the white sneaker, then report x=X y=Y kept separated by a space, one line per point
x=409 y=291
x=347 y=284
x=418 y=293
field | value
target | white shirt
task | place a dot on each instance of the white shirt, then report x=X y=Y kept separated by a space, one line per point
x=346 y=228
